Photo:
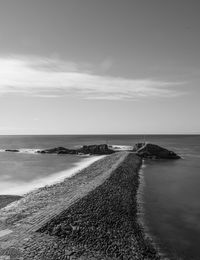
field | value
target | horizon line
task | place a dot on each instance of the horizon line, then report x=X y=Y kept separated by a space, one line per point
x=143 y=134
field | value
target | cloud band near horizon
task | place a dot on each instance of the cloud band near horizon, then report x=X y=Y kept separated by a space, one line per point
x=41 y=77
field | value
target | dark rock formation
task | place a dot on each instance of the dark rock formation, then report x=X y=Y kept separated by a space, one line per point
x=154 y=151
x=86 y=149
x=12 y=150
x=96 y=149
x=59 y=150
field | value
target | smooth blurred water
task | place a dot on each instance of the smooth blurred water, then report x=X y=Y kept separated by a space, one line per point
x=172 y=199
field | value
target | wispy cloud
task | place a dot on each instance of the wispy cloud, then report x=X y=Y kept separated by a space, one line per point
x=53 y=78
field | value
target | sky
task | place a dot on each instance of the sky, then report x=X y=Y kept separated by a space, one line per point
x=99 y=67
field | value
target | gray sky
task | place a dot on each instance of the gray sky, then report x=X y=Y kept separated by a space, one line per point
x=99 y=66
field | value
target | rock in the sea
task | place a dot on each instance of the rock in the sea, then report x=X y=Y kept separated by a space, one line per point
x=96 y=149
x=12 y=150
x=59 y=150
x=86 y=149
x=154 y=151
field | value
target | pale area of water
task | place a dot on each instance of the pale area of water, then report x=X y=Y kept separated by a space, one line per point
x=42 y=175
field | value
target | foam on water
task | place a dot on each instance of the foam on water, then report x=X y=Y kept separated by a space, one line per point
x=116 y=147
x=23 y=150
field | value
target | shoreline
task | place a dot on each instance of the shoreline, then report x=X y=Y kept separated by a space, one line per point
x=99 y=221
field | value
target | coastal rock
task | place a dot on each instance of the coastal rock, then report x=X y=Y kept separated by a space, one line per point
x=154 y=151
x=12 y=150
x=58 y=150
x=68 y=151
x=86 y=149
x=96 y=149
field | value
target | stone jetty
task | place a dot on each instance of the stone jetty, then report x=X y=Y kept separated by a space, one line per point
x=92 y=215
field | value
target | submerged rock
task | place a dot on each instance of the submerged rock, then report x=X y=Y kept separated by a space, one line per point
x=154 y=151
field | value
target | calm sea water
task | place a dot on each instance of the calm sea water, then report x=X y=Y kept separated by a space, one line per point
x=171 y=192
x=172 y=198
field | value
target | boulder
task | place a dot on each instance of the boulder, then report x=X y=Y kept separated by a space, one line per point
x=154 y=151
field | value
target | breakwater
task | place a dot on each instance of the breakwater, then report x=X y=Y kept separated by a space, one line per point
x=103 y=224
x=92 y=215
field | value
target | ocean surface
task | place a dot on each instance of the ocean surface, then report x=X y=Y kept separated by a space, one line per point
x=171 y=190
x=172 y=198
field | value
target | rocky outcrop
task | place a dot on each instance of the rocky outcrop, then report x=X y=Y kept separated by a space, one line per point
x=59 y=150
x=144 y=150
x=86 y=149
x=12 y=150
x=154 y=151
x=96 y=149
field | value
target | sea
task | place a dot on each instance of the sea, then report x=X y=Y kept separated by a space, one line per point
x=171 y=188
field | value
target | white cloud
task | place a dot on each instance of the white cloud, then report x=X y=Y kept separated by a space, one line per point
x=53 y=78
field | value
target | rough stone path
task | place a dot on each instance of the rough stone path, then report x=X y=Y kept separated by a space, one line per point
x=20 y=219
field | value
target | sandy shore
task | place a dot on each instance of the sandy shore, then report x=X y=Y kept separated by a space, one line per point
x=92 y=215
